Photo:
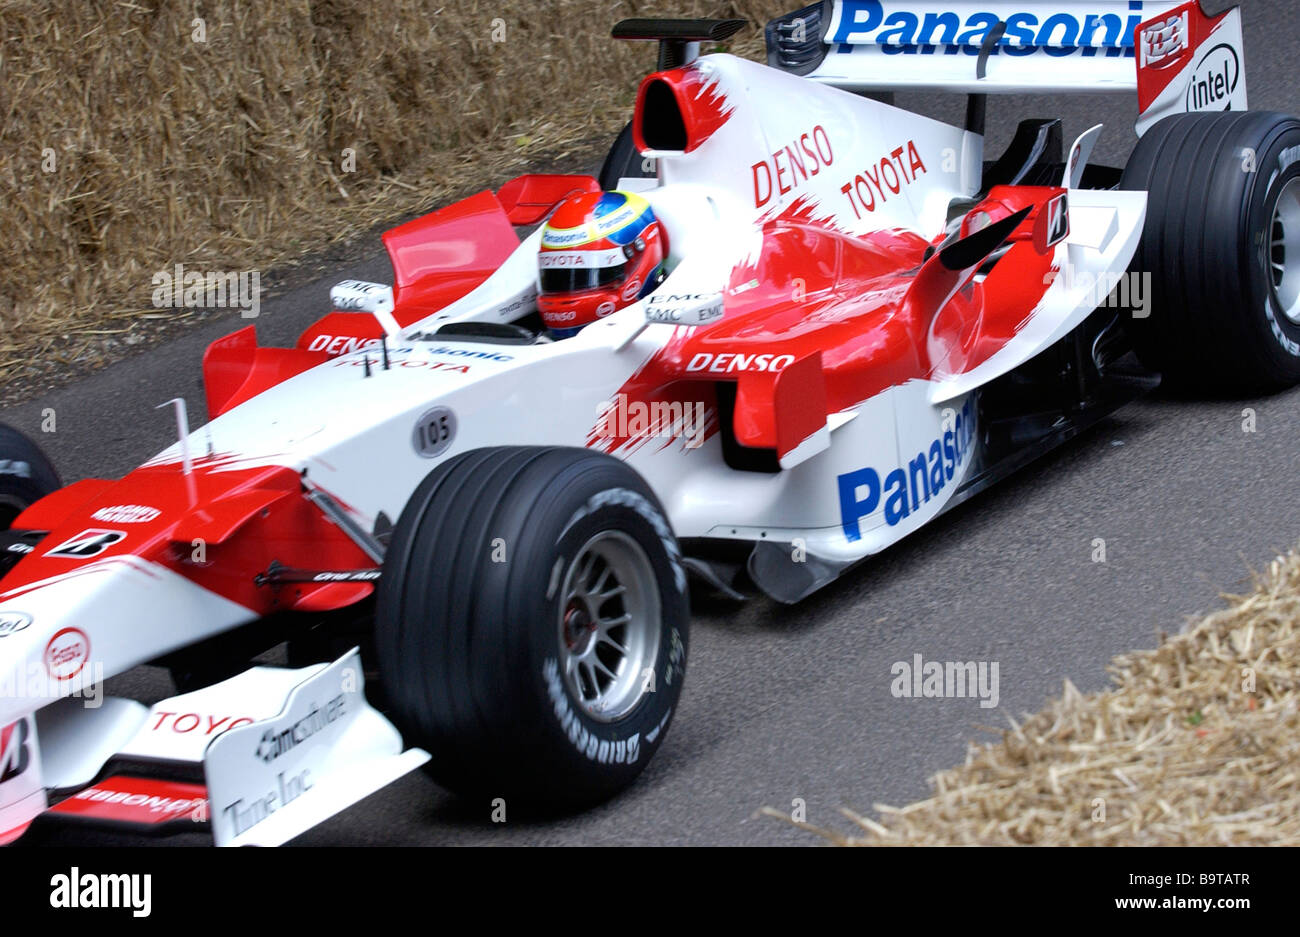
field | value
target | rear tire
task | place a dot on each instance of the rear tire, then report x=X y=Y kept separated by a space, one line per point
x=624 y=162
x=489 y=635
x=26 y=475
x=1222 y=247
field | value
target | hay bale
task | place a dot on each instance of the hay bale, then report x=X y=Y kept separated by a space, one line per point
x=1198 y=743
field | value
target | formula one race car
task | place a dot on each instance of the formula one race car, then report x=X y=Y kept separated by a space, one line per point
x=848 y=322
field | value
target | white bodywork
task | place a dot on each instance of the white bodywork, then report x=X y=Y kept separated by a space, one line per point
x=281 y=750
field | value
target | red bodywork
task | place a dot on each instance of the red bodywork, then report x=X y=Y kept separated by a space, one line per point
x=823 y=320
x=437 y=259
x=704 y=109
x=220 y=529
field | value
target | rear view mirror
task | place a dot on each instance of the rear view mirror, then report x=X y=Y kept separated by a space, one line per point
x=360 y=296
x=684 y=308
x=374 y=298
x=691 y=309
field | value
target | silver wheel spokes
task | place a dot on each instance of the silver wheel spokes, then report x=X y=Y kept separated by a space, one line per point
x=609 y=625
x=1284 y=250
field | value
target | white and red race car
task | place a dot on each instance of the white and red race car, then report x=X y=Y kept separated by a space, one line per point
x=863 y=323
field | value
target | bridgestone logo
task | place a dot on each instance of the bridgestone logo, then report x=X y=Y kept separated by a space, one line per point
x=1287 y=158
x=14 y=753
x=601 y=751
x=637 y=502
x=88 y=543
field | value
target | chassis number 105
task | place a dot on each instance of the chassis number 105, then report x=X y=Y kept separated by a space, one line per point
x=434 y=432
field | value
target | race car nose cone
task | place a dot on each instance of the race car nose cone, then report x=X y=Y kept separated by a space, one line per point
x=63 y=635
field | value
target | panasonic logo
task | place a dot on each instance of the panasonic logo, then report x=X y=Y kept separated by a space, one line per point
x=908 y=487
x=551 y=238
x=870 y=22
x=471 y=353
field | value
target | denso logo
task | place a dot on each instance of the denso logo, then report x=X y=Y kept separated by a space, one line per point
x=792 y=165
x=724 y=363
x=341 y=344
x=906 y=489
x=1056 y=34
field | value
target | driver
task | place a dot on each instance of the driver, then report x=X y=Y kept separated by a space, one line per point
x=600 y=252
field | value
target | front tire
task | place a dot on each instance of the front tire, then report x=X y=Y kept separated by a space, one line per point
x=26 y=475
x=532 y=623
x=1222 y=248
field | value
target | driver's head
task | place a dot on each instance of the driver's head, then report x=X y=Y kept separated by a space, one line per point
x=599 y=253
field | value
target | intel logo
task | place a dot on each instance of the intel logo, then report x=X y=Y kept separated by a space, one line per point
x=13 y=622
x=1214 y=80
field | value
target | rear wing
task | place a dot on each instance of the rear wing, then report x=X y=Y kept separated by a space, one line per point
x=1177 y=57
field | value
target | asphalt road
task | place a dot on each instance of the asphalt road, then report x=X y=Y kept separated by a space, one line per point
x=794 y=703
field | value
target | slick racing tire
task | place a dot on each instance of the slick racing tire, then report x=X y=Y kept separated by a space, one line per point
x=624 y=162
x=26 y=475
x=531 y=625
x=1222 y=248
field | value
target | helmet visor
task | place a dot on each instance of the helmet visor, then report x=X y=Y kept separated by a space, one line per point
x=577 y=279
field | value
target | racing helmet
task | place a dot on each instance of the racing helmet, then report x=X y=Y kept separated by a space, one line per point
x=600 y=252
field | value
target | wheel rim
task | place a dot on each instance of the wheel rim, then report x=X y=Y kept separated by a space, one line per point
x=609 y=625
x=1284 y=250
